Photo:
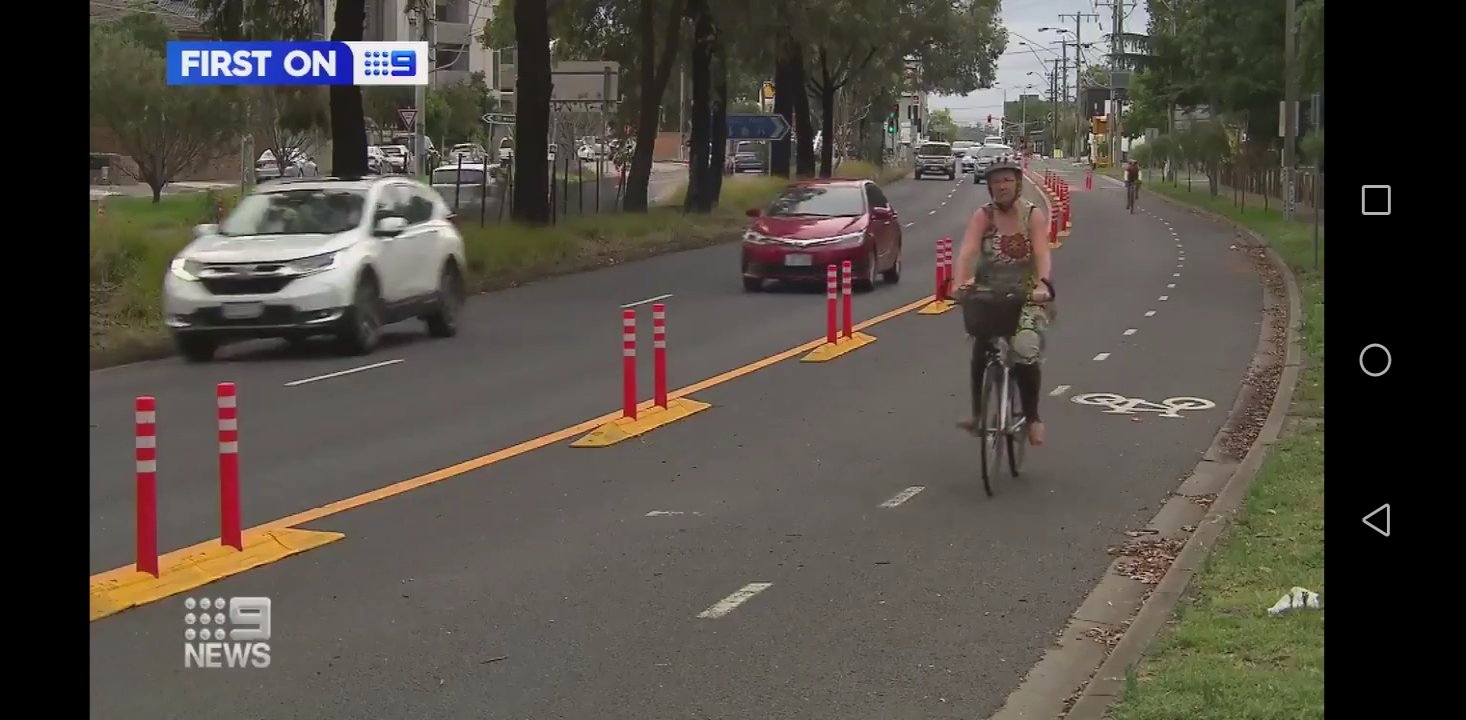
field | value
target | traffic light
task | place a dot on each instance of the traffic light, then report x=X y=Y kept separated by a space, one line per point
x=894 y=119
x=990 y=119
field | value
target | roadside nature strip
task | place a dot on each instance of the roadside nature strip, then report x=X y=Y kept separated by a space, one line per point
x=1223 y=656
x=133 y=241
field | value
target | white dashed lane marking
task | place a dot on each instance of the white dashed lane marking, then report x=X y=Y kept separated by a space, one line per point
x=731 y=603
x=1150 y=313
x=1059 y=391
x=1130 y=331
x=1101 y=357
x=903 y=496
x=1164 y=298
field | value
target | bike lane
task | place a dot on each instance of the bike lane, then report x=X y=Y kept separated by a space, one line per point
x=540 y=586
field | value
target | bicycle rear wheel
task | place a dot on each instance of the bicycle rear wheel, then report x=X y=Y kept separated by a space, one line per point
x=1016 y=437
x=990 y=406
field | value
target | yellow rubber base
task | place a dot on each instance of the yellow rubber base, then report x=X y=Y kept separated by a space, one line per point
x=647 y=420
x=1064 y=233
x=118 y=590
x=830 y=351
x=936 y=307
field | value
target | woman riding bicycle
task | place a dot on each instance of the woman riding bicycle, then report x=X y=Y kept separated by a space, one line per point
x=1005 y=248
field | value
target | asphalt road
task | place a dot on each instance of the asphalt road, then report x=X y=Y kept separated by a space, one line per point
x=539 y=587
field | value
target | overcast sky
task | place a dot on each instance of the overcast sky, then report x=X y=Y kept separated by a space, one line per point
x=1023 y=18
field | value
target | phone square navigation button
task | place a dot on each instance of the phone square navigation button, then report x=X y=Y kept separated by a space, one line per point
x=1376 y=199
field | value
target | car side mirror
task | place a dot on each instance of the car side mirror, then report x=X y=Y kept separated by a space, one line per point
x=882 y=213
x=753 y=212
x=205 y=229
x=390 y=226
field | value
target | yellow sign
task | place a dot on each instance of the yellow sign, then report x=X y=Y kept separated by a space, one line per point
x=1100 y=125
x=768 y=90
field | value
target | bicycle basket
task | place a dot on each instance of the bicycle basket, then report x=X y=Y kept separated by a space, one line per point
x=990 y=314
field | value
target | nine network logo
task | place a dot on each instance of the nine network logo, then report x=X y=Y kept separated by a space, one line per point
x=226 y=634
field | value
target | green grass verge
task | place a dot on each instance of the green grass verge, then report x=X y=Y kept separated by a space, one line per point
x=130 y=250
x=1223 y=657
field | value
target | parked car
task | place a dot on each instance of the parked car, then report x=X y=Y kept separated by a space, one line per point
x=299 y=165
x=935 y=158
x=816 y=223
x=464 y=187
x=301 y=258
x=470 y=152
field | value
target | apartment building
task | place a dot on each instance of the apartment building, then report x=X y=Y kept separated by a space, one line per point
x=458 y=28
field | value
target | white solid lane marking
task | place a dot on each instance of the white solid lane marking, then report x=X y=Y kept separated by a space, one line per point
x=1164 y=298
x=350 y=371
x=665 y=513
x=1101 y=357
x=1130 y=331
x=1150 y=313
x=628 y=306
x=903 y=496
x=730 y=603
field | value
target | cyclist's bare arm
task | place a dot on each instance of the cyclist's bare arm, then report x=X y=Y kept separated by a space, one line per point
x=971 y=250
x=1043 y=258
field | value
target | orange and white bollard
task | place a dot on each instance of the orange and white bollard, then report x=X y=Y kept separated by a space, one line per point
x=832 y=287
x=1053 y=225
x=1064 y=203
x=846 y=271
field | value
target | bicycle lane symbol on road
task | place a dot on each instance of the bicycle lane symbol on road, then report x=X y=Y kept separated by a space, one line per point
x=1120 y=405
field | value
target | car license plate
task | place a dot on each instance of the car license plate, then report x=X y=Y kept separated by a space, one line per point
x=243 y=311
x=797 y=260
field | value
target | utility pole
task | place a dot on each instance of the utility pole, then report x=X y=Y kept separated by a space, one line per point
x=1080 y=121
x=1290 y=108
x=1117 y=47
x=1051 y=120
x=425 y=11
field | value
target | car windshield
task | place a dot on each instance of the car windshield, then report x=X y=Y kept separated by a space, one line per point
x=992 y=152
x=394 y=150
x=452 y=176
x=934 y=149
x=819 y=201
x=296 y=212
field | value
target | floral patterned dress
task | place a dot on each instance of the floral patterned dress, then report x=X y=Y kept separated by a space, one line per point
x=1007 y=262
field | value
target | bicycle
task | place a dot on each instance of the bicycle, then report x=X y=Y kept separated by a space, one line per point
x=1132 y=193
x=995 y=315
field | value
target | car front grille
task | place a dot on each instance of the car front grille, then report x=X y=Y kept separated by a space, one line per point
x=245 y=285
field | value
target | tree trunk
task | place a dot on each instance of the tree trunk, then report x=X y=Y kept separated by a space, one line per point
x=348 y=119
x=804 y=129
x=697 y=164
x=532 y=113
x=654 y=76
x=827 y=129
x=785 y=87
x=714 y=189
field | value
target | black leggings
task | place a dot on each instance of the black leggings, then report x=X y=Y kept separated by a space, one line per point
x=1028 y=376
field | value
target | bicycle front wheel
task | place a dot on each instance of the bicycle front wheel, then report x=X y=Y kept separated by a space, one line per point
x=990 y=414
x=1016 y=437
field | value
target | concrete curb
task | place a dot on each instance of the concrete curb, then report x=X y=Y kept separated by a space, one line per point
x=1078 y=664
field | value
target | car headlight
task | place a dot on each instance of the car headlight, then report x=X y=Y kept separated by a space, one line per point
x=185 y=269
x=311 y=264
x=757 y=239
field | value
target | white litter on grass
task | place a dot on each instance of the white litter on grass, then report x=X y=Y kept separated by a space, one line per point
x=1296 y=599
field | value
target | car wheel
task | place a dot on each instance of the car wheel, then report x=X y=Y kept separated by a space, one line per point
x=363 y=321
x=868 y=283
x=893 y=275
x=443 y=320
x=196 y=348
x=753 y=284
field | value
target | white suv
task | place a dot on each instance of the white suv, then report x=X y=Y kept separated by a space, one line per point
x=300 y=258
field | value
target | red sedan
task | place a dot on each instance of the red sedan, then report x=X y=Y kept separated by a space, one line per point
x=817 y=223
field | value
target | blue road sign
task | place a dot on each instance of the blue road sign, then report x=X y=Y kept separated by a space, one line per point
x=757 y=127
